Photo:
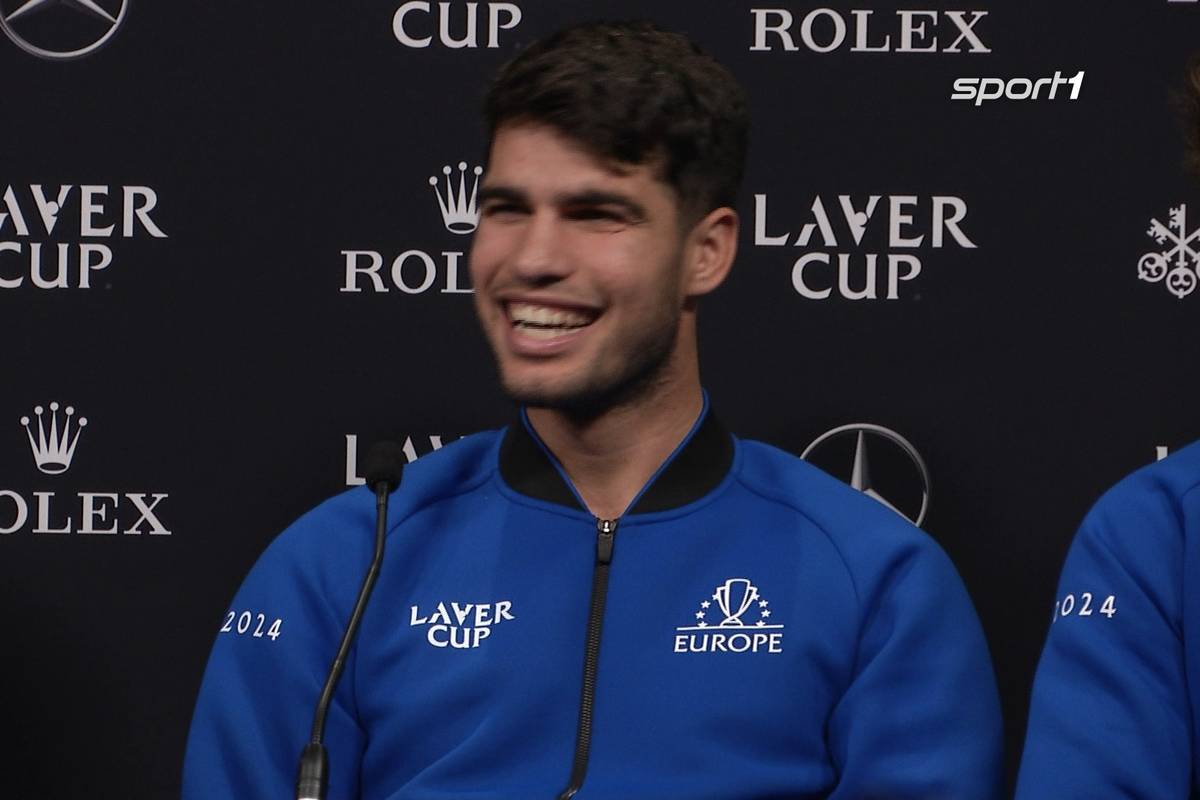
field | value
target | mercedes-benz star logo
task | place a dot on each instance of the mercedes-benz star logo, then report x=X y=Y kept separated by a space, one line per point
x=860 y=477
x=72 y=29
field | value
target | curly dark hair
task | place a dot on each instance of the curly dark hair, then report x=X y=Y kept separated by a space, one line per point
x=633 y=92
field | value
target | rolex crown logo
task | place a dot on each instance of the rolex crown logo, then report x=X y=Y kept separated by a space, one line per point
x=459 y=211
x=53 y=451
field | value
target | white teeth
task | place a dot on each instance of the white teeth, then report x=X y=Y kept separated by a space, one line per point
x=530 y=317
x=544 y=333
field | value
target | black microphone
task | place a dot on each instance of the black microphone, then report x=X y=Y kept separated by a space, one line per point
x=384 y=462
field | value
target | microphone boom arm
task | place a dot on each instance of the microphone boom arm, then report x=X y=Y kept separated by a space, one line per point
x=312 y=782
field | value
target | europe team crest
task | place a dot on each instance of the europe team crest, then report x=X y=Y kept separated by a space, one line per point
x=735 y=619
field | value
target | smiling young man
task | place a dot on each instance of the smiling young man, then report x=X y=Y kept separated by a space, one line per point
x=586 y=273
x=613 y=597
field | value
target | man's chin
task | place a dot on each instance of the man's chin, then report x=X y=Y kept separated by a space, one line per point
x=588 y=390
x=569 y=399
x=585 y=399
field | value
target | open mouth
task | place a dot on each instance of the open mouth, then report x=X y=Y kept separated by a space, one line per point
x=547 y=322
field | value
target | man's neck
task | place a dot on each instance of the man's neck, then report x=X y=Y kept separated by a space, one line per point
x=610 y=457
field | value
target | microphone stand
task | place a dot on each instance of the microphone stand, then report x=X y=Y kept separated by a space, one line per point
x=312 y=783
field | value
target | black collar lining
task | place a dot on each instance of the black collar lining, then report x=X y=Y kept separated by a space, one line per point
x=698 y=467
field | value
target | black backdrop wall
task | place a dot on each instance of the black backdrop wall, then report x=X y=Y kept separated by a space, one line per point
x=213 y=219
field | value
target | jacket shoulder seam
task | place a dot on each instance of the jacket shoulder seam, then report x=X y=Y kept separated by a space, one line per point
x=440 y=498
x=791 y=505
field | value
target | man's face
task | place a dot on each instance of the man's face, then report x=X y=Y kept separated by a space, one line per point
x=577 y=271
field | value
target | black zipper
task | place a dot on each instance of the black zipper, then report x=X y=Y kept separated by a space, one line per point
x=606 y=532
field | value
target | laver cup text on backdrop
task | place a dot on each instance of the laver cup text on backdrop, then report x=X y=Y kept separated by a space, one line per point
x=616 y=582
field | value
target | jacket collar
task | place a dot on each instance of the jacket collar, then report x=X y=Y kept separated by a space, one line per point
x=695 y=468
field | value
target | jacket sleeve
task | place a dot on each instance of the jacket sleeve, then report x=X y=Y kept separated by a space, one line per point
x=1109 y=715
x=270 y=660
x=920 y=719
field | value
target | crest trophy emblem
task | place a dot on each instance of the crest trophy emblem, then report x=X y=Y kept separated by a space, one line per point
x=745 y=625
x=735 y=593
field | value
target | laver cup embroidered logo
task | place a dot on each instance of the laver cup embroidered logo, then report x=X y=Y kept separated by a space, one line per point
x=461 y=625
x=61 y=29
x=736 y=619
x=1177 y=264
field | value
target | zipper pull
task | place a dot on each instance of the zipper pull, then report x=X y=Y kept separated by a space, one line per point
x=606 y=532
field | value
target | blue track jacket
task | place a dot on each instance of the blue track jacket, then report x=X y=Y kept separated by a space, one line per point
x=1112 y=715
x=767 y=632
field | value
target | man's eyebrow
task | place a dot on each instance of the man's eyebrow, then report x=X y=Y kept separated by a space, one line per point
x=501 y=193
x=599 y=197
x=584 y=197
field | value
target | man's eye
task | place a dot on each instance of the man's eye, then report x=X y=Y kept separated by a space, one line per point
x=597 y=214
x=501 y=208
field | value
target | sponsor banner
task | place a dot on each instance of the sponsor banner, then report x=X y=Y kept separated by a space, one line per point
x=67 y=236
x=419 y=270
x=413 y=447
x=860 y=476
x=863 y=247
x=59 y=31
x=419 y=24
x=828 y=30
x=54 y=432
x=1175 y=263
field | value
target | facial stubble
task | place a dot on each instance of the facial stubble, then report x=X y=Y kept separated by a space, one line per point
x=643 y=368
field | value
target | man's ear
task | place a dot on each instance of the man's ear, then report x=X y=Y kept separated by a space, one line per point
x=710 y=249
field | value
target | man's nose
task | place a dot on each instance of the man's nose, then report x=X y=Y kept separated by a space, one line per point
x=541 y=256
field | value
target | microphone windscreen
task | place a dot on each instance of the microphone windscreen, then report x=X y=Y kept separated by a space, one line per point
x=384 y=461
